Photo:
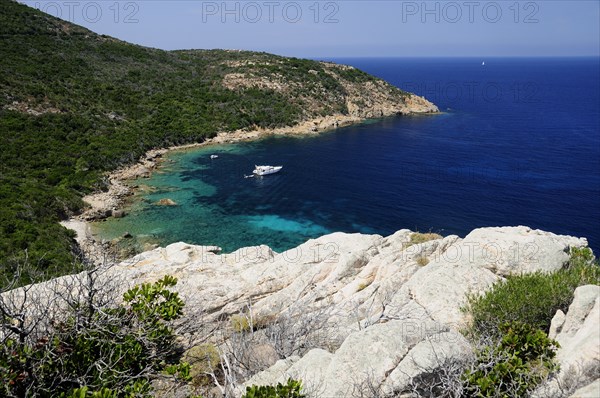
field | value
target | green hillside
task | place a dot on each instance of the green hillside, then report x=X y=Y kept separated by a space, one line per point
x=74 y=104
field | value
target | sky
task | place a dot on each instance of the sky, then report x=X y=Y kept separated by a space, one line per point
x=347 y=28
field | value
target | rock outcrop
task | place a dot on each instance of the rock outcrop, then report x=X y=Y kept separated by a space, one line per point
x=353 y=312
x=592 y=390
x=364 y=96
x=577 y=332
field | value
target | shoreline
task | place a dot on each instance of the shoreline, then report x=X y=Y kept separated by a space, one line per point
x=103 y=205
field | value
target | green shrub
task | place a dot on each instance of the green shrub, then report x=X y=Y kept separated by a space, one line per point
x=105 y=352
x=582 y=256
x=521 y=360
x=532 y=298
x=292 y=389
x=85 y=392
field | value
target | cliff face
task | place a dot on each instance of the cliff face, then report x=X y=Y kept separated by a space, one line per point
x=352 y=312
x=376 y=98
x=343 y=89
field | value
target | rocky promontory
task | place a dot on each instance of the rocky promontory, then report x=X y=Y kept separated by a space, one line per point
x=353 y=314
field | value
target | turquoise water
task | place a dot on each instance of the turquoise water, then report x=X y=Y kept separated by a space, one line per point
x=200 y=216
x=525 y=153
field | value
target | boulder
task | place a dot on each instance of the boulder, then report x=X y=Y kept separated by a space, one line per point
x=368 y=356
x=310 y=369
x=484 y=256
x=275 y=372
x=428 y=359
x=516 y=250
x=118 y=213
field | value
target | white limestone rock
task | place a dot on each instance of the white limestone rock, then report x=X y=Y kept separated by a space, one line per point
x=376 y=304
x=579 y=337
x=275 y=372
x=592 y=390
x=515 y=250
x=556 y=324
x=578 y=333
x=426 y=359
x=310 y=369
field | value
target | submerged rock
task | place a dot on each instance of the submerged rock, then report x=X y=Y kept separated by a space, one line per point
x=166 y=202
x=119 y=213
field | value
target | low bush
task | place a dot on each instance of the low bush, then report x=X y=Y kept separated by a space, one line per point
x=532 y=298
x=422 y=261
x=292 y=389
x=240 y=323
x=514 y=367
x=113 y=351
x=419 y=237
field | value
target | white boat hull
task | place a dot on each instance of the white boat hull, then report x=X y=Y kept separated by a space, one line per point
x=266 y=170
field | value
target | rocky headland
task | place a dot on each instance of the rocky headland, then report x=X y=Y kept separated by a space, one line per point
x=353 y=314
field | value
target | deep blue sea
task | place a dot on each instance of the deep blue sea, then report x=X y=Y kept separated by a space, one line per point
x=518 y=143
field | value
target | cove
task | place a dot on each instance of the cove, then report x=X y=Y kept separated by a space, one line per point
x=528 y=157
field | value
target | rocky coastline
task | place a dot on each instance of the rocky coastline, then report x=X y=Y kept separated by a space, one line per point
x=354 y=312
x=102 y=205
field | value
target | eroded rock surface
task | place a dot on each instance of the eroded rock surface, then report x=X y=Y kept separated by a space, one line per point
x=349 y=312
x=578 y=333
x=381 y=316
